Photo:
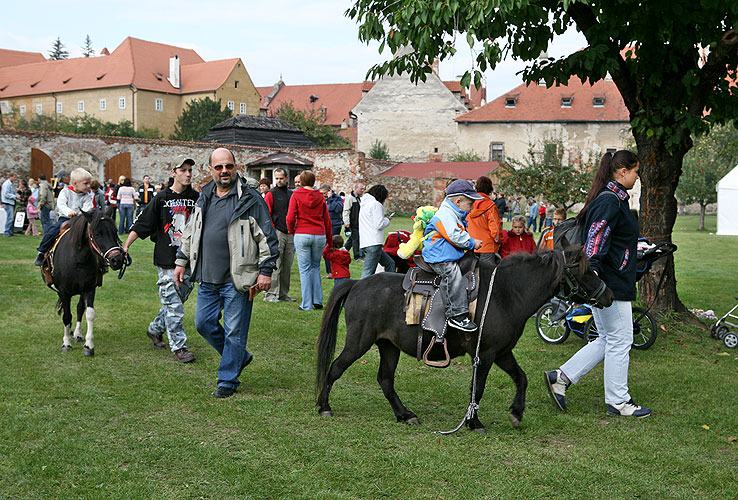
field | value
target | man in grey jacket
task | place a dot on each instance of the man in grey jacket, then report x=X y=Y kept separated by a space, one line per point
x=231 y=247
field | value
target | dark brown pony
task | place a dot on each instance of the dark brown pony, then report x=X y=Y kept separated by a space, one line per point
x=374 y=315
x=90 y=244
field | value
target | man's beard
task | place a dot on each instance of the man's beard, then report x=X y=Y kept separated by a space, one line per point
x=222 y=184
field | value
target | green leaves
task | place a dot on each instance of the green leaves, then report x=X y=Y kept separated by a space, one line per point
x=196 y=119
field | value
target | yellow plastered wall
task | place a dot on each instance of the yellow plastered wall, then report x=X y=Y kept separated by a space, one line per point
x=245 y=93
x=148 y=116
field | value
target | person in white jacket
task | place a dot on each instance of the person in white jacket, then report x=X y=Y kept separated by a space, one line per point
x=372 y=223
x=72 y=201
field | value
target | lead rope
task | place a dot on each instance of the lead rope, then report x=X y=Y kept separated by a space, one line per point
x=473 y=406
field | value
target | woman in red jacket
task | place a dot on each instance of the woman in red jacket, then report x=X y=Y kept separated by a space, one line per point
x=484 y=223
x=517 y=239
x=308 y=220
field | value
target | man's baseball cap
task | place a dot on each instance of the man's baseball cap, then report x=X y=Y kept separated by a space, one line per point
x=462 y=188
x=180 y=160
x=61 y=173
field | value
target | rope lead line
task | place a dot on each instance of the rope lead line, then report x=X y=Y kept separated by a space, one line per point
x=473 y=406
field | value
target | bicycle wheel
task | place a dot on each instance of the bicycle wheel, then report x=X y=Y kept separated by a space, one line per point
x=644 y=329
x=550 y=331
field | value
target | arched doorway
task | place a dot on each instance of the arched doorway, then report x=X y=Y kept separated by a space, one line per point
x=118 y=165
x=41 y=163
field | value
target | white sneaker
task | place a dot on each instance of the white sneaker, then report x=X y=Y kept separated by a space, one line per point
x=629 y=409
x=556 y=388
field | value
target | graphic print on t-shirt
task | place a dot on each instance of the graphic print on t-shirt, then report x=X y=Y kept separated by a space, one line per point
x=179 y=212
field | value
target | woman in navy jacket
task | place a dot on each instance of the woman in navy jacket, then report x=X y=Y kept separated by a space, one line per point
x=610 y=239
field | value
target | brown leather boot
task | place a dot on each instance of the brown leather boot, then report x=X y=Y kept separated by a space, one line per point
x=184 y=356
x=157 y=339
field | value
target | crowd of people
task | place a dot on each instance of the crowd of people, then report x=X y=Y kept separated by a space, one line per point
x=236 y=238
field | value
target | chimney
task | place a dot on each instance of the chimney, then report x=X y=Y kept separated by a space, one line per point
x=434 y=67
x=105 y=52
x=174 y=71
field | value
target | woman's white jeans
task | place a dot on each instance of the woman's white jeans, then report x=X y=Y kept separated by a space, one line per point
x=615 y=329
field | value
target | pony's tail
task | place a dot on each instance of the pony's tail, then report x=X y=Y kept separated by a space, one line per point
x=326 y=345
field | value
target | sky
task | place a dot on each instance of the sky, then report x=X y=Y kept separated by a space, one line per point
x=304 y=42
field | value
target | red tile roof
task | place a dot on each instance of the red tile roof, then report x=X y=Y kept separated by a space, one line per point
x=450 y=169
x=16 y=57
x=338 y=98
x=536 y=103
x=135 y=62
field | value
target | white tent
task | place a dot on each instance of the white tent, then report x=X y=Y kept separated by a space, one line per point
x=727 y=212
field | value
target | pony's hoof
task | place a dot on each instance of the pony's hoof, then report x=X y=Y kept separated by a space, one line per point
x=325 y=413
x=479 y=430
x=413 y=421
x=89 y=351
x=79 y=339
x=66 y=348
x=515 y=421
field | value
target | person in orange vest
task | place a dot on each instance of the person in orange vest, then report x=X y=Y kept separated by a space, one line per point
x=485 y=224
x=546 y=241
x=146 y=193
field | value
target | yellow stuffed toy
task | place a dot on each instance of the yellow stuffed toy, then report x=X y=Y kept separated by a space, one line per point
x=422 y=216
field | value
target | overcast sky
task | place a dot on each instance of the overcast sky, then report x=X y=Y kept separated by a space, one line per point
x=303 y=41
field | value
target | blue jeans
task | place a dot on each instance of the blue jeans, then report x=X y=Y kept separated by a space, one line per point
x=171 y=313
x=45 y=216
x=309 y=250
x=532 y=220
x=9 y=218
x=126 y=218
x=374 y=255
x=338 y=281
x=615 y=330
x=230 y=338
x=50 y=236
x=453 y=286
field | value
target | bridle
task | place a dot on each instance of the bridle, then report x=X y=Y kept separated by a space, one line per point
x=570 y=282
x=105 y=256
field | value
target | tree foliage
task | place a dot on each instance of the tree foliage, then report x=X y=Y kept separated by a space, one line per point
x=87 y=49
x=544 y=172
x=311 y=123
x=58 y=50
x=197 y=118
x=85 y=124
x=466 y=156
x=379 y=150
x=652 y=51
x=712 y=156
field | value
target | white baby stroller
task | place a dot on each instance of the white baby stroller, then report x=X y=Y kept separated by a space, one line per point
x=720 y=330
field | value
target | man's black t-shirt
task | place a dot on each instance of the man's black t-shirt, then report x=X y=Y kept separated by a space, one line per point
x=164 y=219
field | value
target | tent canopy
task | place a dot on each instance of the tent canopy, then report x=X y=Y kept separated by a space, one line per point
x=727 y=212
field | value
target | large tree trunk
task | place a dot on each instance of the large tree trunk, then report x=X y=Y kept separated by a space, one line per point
x=659 y=173
x=703 y=207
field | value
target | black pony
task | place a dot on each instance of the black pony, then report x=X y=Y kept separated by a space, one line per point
x=79 y=259
x=374 y=315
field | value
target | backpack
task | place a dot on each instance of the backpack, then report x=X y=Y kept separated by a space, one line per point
x=571 y=231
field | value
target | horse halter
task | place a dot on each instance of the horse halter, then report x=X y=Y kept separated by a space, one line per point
x=105 y=256
x=575 y=288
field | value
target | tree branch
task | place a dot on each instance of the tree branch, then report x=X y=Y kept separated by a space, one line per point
x=713 y=70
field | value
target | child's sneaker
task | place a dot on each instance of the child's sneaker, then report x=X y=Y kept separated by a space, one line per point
x=557 y=388
x=629 y=409
x=463 y=323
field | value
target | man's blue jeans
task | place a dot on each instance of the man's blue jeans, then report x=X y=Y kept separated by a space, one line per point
x=45 y=219
x=309 y=249
x=9 y=218
x=230 y=338
x=126 y=218
x=374 y=255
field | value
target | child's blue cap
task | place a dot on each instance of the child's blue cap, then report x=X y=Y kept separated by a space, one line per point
x=462 y=188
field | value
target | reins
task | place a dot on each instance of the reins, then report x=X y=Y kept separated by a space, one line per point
x=127 y=261
x=575 y=289
x=473 y=406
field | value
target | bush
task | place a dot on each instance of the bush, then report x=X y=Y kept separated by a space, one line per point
x=379 y=150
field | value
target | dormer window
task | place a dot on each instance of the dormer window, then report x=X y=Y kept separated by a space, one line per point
x=566 y=102
x=511 y=102
x=542 y=83
x=598 y=102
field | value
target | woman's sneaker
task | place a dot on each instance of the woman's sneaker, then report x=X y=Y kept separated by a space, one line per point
x=629 y=409
x=556 y=388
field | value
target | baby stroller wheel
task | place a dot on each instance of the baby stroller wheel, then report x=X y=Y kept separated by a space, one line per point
x=712 y=331
x=730 y=340
x=644 y=329
x=551 y=331
x=720 y=332
x=590 y=331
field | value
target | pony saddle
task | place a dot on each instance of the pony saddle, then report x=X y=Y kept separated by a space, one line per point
x=425 y=299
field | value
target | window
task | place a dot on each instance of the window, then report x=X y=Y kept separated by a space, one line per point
x=598 y=102
x=231 y=105
x=566 y=102
x=497 y=151
x=159 y=105
x=242 y=108
x=39 y=109
x=510 y=102
x=236 y=84
x=81 y=106
x=59 y=108
x=550 y=151
x=103 y=104
x=23 y=110
x=121 y=103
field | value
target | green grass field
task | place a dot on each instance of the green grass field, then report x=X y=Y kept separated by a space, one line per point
x=133 y=423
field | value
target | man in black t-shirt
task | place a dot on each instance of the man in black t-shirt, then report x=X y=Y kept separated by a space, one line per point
x=278 y=200
x=163 y=219
x=146 y=193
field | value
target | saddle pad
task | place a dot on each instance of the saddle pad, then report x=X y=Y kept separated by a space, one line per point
x=415 y=312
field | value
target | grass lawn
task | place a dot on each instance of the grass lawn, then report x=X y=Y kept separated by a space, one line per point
x=133 y=423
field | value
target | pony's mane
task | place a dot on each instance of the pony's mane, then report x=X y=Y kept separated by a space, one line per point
x=510 y=269
x=77 y=230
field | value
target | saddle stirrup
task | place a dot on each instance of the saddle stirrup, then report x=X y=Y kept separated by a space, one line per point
x=436 y=364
